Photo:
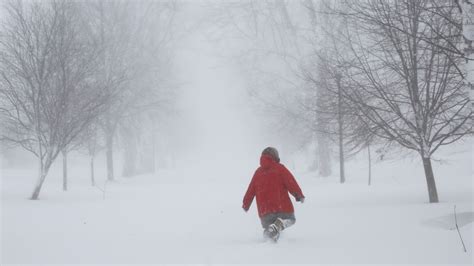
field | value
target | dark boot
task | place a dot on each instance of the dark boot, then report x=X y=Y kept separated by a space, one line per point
x=272 y=232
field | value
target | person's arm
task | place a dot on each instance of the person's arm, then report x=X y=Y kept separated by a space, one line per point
x=291 y=184
x=249 y=195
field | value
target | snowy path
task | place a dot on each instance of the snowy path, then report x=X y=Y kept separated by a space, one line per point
x=165 y=219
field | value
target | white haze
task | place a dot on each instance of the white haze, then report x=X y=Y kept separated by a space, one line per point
x=218 y=121
x=213 y=123
x=209 y=137
x=217 y=124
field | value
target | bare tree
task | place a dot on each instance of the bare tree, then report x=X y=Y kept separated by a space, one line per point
x=47 y=96
x=108 y=26
x=286 y=42
x=133 y=37
x=335 y=118
x=90 y=142
x=404 y=78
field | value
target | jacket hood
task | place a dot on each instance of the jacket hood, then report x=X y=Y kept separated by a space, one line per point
x=266 y=161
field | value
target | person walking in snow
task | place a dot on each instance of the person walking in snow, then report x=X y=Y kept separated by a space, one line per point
x=271 y=184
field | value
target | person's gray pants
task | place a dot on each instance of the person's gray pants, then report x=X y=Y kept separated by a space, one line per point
x=287 y=218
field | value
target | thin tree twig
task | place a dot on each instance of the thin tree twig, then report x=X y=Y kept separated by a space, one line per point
x=457 y=228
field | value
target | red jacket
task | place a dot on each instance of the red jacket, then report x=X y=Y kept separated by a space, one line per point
x=271 y=184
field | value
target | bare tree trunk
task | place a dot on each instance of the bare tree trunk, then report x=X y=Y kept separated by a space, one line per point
x=130 y=153
x=341 y=155
x=92 y=171
x=109 y=130
x=370 y=164
x=43 y=171
x=109 y=153
x=324 y=156
x=315 y=163
x=340 y=129
x=64 y=153
x=38 y=186
x=110 y=159
x=153 y=154
x=430 y=181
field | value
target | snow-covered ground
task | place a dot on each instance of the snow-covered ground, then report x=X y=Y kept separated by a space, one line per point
x=193 y=215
